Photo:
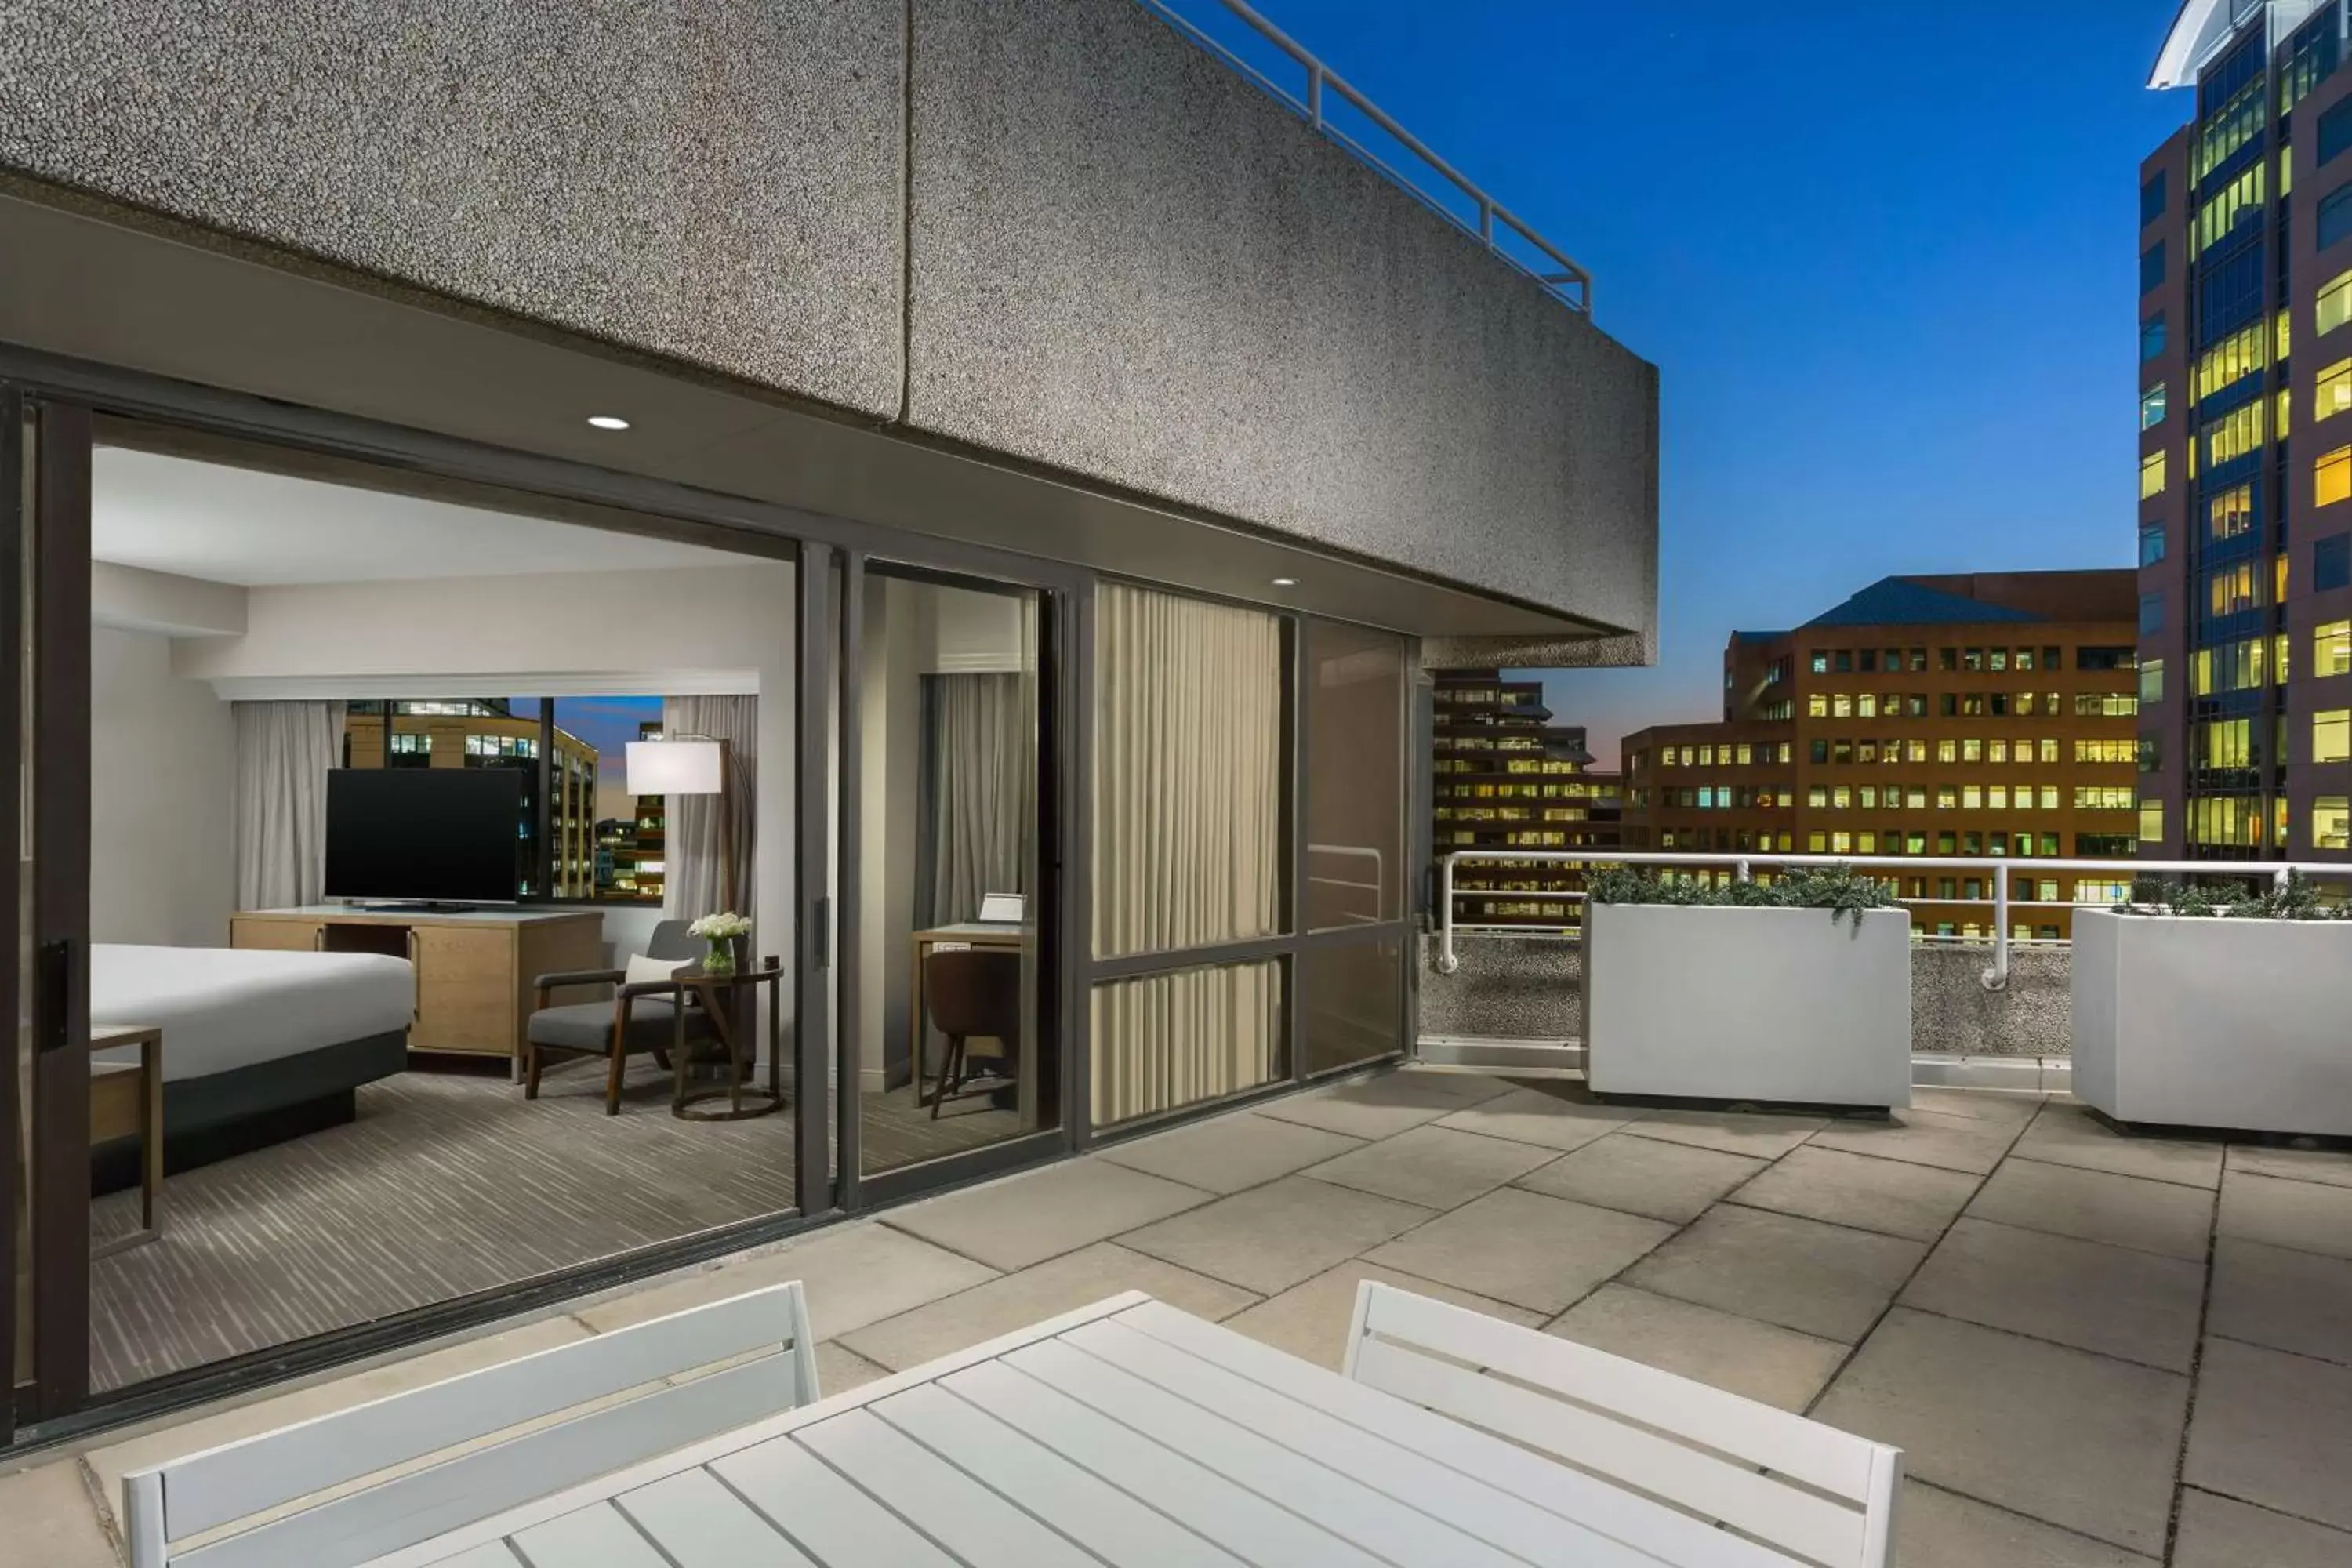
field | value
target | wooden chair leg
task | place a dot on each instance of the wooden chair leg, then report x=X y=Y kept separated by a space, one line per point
x=950 y=1074
x=612 y=1080
x=531 y=1070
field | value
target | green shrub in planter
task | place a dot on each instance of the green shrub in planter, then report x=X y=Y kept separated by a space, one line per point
x=1840 y=889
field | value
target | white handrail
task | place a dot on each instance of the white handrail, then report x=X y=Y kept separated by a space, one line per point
x=1995 y=979
x=1572 y=285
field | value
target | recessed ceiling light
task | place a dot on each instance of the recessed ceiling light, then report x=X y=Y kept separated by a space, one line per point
x=1285 y=581
x=608 y=422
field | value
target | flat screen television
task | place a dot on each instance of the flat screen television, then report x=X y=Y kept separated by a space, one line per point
x=423 y=834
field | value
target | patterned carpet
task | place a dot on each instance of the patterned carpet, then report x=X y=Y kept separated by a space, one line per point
x=446 y=1184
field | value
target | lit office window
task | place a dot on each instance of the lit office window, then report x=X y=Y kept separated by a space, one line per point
x=2331 y=822
x=2331 y=735
x=2230 y=514
x=2332 y=477
x=2151 y=475
x=2334 y=306
x=2331 y=648
x=2333 y=394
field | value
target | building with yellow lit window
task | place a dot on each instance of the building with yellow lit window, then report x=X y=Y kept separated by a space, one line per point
x=1506 y=777
x=1986 y=716
x=2245 y=535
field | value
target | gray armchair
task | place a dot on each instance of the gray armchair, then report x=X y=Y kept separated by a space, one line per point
x=649 y=1015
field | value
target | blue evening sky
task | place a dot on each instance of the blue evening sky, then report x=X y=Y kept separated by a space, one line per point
x=1884 y=256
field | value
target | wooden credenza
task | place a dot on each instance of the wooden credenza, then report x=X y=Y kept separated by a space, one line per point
x=475 y=968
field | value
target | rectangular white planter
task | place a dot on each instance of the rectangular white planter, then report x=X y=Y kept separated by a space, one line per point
x=1742 y=1003
x=2200 y=1022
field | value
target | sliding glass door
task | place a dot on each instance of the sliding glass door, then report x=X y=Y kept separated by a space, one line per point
x=950 y=1048
x=46 y=1096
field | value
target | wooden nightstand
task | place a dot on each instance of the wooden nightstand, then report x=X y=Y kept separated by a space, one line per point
x=127 y=1101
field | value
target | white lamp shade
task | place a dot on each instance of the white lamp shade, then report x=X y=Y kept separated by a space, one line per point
x=675 y=767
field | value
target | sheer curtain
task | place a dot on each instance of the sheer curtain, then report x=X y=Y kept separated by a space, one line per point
x=982 y=751
x=284 y=751
x=1188 y=810
x=692 y=885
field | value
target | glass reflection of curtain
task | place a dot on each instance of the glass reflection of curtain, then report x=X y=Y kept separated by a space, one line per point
x=1162 y=1041
x=1187 y=780
x=983 y=753
x=691 y=884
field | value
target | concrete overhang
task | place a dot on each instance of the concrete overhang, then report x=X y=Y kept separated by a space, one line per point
x=115 y=289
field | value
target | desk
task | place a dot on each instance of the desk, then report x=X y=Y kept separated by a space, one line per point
x=967 y=934
x=127 y=1101
x=1125 y=1433
x=474 y=967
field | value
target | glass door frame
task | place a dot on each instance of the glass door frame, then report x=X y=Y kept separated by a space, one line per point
x=44 y=583
x=1063 y=662
x=69 y=393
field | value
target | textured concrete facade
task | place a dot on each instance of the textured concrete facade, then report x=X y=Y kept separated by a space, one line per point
x=1052 y=230
x=1130 y=260
x=711 y=181
x=1514 y=988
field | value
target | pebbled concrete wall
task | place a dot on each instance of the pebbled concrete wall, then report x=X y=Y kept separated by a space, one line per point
x=1125 y=258
x=1514 y=988
x=713 y=181
x=1053 y=229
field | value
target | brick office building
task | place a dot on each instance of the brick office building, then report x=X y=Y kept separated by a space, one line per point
x=1984 y=715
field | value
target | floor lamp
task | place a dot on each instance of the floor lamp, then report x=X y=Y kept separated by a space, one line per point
x=691 y=764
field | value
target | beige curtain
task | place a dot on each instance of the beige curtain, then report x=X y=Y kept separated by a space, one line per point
x=284 y=751
x=982 y=751
x=1167 y=1041
x=692 y=885
x=1187 y=780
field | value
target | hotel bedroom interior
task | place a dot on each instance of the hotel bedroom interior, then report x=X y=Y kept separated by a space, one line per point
x=401 y=792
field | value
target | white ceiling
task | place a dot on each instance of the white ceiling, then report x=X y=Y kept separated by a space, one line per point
x=242 y=526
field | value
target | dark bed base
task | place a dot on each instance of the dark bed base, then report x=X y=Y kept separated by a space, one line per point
x=252 y=1107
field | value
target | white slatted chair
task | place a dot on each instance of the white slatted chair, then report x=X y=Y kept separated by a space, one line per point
x=1828 y=1500
x=201 y=1494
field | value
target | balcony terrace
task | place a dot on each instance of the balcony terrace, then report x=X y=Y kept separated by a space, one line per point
x=2097 y=1350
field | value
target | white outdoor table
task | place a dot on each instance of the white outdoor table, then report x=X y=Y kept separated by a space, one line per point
x=1125 y=1433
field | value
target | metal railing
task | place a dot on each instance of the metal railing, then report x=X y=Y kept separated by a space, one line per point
x=1563 y=279
x=1997 y=869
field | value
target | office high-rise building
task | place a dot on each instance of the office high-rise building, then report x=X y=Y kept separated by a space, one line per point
x=1986 y=716
x=1508 y=778
x=2245 y=618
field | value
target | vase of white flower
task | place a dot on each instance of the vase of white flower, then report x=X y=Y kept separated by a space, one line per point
x=719 y=933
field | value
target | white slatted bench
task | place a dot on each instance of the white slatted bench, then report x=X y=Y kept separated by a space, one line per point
x=606 y=1403
x=1823 y=1495
x=1125 y=1434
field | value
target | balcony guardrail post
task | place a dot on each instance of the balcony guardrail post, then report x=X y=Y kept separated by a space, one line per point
x=1997 y=977
x=1446 y=963
x=1742 y=873
x=1315 y=94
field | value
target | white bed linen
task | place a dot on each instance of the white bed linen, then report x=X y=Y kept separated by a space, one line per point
x=223 y=1007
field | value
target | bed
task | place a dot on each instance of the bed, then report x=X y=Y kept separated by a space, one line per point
x=259 y=1046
